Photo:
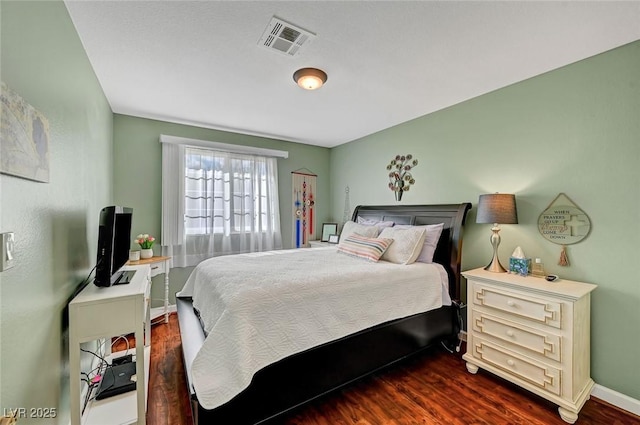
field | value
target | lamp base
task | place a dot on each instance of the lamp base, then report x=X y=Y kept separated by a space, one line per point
x=495 y=266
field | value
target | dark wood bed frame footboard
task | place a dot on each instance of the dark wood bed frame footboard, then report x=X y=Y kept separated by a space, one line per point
x=302 y=377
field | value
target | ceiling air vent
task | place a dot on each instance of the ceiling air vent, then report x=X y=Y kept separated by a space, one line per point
x=284 y=37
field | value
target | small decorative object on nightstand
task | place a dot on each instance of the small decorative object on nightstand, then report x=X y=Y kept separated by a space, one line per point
x=327 y=230
x=334 y=238
x=134 y=255
x=146 y=243
x=519 y=263
x=533 y=333
x=538 y=268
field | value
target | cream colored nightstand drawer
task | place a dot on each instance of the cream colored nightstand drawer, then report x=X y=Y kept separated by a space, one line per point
x=518 y=336
x=527 y=369
x=521 y=305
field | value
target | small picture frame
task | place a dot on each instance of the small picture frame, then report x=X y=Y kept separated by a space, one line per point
x=327 y=230
x=333 y=238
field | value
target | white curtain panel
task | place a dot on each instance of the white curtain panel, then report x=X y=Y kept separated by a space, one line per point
x=172 y=232
x=224 y=203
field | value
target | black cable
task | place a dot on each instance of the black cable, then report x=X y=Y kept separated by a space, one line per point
x=89 y=275
x=83 y=284
x=92 y=385
x=460 y=325
x=458 y=306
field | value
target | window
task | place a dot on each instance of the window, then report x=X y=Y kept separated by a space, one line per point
x=217 y=202
x=225 y=193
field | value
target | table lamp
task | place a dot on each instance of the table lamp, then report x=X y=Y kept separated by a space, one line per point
x=496 y=208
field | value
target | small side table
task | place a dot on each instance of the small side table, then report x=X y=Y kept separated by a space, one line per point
x=159 y=265
x=320 y=244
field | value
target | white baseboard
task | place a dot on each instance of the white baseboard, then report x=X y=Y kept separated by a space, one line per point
x=617 y=399
x=159 y=311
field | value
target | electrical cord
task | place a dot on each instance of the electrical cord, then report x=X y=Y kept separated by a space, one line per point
x=93 y=382
x=125 y=340
x=458 y=306
x=86 y=280
x=460 y=327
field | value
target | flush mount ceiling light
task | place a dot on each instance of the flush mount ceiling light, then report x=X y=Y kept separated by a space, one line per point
x=310 y=78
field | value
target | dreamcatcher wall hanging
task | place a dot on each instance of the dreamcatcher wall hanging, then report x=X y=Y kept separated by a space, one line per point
x=563 y=223
x=303 y=206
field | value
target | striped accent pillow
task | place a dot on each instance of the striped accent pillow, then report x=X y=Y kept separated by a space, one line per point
x=363 y=247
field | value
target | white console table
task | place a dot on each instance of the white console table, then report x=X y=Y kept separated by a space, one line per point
x=101 y=313
x=159 y=265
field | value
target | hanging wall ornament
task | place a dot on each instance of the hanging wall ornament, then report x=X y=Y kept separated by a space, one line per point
x=303 y=186
x=400 y=178
x=564 y=223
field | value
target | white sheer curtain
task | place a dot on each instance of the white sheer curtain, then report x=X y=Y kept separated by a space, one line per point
x=216 y=203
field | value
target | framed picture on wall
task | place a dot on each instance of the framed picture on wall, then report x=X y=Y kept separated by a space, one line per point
x=328 y=229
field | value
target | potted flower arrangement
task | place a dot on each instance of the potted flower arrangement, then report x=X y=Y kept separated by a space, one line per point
x=146 y=242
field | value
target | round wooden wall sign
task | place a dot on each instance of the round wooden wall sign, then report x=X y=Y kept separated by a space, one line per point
x=563 y=222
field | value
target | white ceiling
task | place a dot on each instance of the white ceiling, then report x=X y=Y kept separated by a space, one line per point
x=199 y=62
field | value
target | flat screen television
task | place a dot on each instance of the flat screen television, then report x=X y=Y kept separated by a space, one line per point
x=114 y=241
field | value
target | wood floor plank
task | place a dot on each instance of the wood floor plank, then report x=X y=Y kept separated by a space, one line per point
x=431 y=389
x=493 y=398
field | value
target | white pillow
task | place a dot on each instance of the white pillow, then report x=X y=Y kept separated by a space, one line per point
x=430 y=241
x=407 y=244
x=350 y=228
x=380 y=224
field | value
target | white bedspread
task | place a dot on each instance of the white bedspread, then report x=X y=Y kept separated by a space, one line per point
x=262 y=307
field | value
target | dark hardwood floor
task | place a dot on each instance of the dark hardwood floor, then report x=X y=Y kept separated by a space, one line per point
x=433 y=388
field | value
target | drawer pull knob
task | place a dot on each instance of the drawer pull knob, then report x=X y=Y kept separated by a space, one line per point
x=510 y=362
x=510 y=303
x=510 y=333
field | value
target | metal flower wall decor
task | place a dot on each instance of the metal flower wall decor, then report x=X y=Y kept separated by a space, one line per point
x=400 y=178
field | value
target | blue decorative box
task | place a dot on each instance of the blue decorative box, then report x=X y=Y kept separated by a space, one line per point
x=521 y=266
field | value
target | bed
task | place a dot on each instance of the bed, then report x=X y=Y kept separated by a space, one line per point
x=315 y=370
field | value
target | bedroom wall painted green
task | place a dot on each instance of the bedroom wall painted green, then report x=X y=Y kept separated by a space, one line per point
x=55 y=224
x=574 y=130
x=138 y=177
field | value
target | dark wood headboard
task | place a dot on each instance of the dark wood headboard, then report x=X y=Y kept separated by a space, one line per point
x=449 y=249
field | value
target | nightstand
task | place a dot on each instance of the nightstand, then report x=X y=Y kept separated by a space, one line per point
x=320 y=244
x=533 y=333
